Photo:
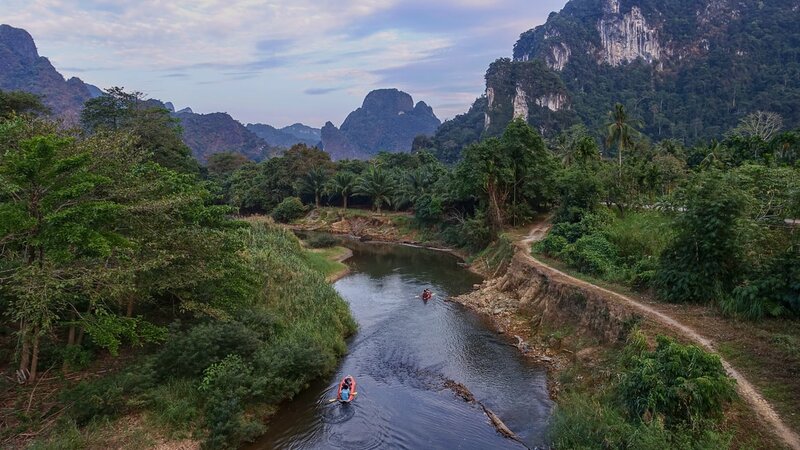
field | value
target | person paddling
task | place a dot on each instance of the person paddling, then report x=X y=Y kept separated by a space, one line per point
x=427 y=294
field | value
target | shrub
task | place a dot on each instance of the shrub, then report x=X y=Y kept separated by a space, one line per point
x=322 y=241
x=285 y=368
x=290 y=209
x=551 y=245
x=592 y=254
x=682 y=385
x=106 y=397
x=187 y=354
x=228 y=385
x=580 y=422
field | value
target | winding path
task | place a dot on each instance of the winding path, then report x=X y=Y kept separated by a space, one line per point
x=746 y=390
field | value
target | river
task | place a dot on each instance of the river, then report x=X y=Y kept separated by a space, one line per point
x=403 y=353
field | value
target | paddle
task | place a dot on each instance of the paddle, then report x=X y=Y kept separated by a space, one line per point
x=336 y=399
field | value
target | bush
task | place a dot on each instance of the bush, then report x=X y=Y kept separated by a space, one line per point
x=284 y=369
x=290 y=209
x=552 y=245
x=106 y=397
x=189 y=353
x=322 y=241
x=228 y=385
x=580 y=422
x=683 y=385
x=473 y=233
x=592 y=254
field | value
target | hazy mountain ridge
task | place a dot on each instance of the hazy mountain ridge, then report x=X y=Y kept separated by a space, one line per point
x=287 y=136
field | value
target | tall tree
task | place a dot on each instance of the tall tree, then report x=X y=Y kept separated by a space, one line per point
x=342 y=184
x=620 y=131
x=378 y=185
x=57 y=217
x=313 y=183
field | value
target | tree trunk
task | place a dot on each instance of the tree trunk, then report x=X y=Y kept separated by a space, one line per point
x=129 y=311
x=25 y=353
x=35 y=356
x=316 y=199
x=344 y=201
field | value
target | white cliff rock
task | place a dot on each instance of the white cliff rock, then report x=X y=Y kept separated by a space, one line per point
x=627 y=37
x=553 y=102
x=559 y=56
x=521 y=104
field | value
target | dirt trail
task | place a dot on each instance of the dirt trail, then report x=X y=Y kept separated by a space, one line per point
x=746 y=390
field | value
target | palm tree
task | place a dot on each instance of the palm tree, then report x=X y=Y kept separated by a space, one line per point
x=620 y=131
x=313 y=183
x=377 y=185
x=343 y=183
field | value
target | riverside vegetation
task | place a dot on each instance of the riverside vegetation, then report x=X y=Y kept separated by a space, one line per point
x=118 y=260
x=141 y=256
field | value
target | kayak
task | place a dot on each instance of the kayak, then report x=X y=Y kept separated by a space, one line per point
x=351 y=395
x=427 y=296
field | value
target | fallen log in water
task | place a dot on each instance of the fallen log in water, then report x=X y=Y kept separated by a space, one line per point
x=462 y=391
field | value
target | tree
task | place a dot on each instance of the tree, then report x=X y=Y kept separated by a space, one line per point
x=58 y=219
x=378 y=185
x=705 y=258
x=620 y=131
x=222 y=165
x=342 y=184
x=485 y=171
x=761 y=124
x=18 y=102
x=154 y=129
x=313 y=183
x=111 y=111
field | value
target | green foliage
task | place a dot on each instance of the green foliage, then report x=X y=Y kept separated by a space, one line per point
x=18 y=102
x=592 y=254
x=378 y=185
x=227 y=385
x=290 y=209
x=581 y=422
x=189 y=353
x=154 y=130
x=706 y=254
x=106 y=397
x=680 y=384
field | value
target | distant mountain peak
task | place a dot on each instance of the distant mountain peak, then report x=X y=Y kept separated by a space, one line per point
x=22 y=69
x=388 y=120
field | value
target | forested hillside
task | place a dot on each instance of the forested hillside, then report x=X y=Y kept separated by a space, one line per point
x=688 y=70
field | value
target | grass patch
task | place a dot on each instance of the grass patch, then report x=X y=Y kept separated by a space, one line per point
x=326 y=260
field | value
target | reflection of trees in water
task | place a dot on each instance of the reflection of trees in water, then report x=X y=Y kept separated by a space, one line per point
x=380 y=260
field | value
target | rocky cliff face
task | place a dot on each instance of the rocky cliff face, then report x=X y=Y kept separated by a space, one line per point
x=207 y=134
x=689 y=69
x=22 y=69
x=388 y=120
x=627 y=37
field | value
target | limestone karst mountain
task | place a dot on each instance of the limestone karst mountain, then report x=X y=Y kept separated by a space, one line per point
x=388 y=120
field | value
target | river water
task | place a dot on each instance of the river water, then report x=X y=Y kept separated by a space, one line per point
x=403 y=353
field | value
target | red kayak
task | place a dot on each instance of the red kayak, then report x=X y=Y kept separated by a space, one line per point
x=347 y=391
x=427 y=295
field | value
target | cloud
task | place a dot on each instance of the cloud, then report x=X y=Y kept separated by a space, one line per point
x=438 y=51
x=321 y=91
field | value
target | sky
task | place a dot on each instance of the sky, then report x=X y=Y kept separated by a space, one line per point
x=280 y=61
